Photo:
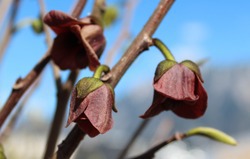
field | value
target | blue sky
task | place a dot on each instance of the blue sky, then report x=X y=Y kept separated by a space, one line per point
x=218 y=30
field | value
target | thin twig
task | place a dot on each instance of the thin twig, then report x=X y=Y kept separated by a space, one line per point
x=21 y=86
x=68 y=146
x=11 y=124
x=127 y=18
x=62 y=99
x=79 y=6
x=151 y=152
x=4 y=6
x=8 y=32
x=137 y=133
x=142 y=42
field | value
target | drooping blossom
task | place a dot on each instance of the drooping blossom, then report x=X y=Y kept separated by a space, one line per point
x=91 y=106
x=69 y=47
x=178 y=87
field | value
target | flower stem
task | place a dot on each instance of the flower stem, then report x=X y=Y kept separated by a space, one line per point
x=164 y=49
x=100 y=69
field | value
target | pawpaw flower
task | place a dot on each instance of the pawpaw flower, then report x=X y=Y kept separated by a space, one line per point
x=178 y=87
x=69 y=48
x=91 y=106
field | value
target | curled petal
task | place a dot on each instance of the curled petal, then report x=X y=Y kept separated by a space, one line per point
x=59 y=21
x=192 y=110
x=156 y=107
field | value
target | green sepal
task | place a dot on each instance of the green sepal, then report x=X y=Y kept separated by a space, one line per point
x=194 y=67
x=163 y=67
x=37 y=26
x=113 y=93
x=87 y=85
x=212 y=134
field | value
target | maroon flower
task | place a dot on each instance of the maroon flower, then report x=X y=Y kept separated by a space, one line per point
x=69 y=47
x=91 y=106
x=178 y=87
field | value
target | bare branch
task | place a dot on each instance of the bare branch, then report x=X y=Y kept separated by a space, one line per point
x=68 y=146
x=151 y=152
x=8 y=32
x=139 y=130
x=129 y=10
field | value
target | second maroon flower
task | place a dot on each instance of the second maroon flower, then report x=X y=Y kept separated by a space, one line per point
x=178 y=87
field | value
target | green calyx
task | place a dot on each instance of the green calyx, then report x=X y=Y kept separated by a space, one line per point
x=212 y=134
x=163 y=67
x=87 y=85
x=194 y=67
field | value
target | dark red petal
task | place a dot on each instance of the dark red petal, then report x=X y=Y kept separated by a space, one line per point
x=67 y=53
x=196 y=109
x=99 y=110
x=77 y=107
x=177 y=83
x=156 y=106
x=88 y=36
x=87 y=127
x=59 y=21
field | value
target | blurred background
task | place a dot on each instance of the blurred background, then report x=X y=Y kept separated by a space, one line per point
x=215 y=31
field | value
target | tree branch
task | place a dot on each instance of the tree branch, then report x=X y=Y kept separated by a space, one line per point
x=139 y=130
x=8 y=32
x=151 y=152
x=142 y=42
x=68 y=146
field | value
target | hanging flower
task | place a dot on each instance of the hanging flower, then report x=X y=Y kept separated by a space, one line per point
x=92 y=103
x=178 y=87
x=91 y=106
x=69 y=50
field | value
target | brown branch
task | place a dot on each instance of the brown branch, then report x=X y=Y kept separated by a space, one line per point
x=21 y=86
x=78 y=8
x=151 y=152
x=8 y=32
x=62 y=99
x=68 y=146
x=4 y=6
x=139 y=130
x=127 y=18
x=14 y=118
x=142 y=42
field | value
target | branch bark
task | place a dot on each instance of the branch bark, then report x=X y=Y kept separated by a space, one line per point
x=141 y=43
x=151 y=152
